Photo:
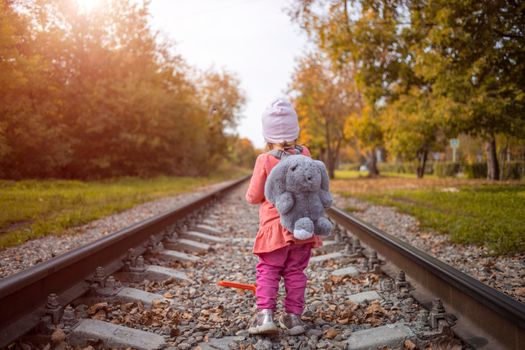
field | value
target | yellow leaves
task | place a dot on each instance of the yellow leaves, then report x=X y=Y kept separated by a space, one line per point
x=212 y=315
x=375 y=309
x=168 y=295
x=93 y=309
x=331 y=333
x=325 y=95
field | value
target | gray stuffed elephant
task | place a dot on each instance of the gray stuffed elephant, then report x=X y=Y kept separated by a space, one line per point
x=298 y=187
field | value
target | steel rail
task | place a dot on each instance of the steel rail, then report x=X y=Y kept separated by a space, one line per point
x=496 y=314
x=24 y=292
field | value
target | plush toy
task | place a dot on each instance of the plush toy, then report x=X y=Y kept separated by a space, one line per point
x=298 y=187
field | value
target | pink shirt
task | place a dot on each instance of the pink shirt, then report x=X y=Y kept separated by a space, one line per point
x=271 y=235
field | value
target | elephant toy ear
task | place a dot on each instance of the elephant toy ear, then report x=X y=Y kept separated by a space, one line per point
x=276 y=182
x=324 y=175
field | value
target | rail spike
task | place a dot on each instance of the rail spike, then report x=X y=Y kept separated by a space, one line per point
x=69 y=320
x=129 y=261
x=440 y=321
x=111 y=287
x=387 y=286
x=348 y=250
x=99 y=277
x=53 y=308
x=401 y=281
x=364 y=264
x=374 y=262
x=358 y=249
x=337 y=233
x=437 y=322
x=421 y=324
x=348 y=241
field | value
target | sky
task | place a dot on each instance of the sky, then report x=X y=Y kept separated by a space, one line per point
x=255 y=39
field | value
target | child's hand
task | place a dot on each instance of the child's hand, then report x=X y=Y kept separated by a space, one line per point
x=284 y=202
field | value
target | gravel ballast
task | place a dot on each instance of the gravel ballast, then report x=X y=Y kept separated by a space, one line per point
x=505 y=273
x=198 y=312
x=21 y=257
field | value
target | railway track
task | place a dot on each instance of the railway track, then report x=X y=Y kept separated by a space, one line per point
x=153 y=285
x=486 y=318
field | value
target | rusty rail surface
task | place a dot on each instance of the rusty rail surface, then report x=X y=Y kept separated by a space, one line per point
x=497 y=316
x=23 y=295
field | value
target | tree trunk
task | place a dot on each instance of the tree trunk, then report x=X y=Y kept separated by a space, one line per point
x=492 y=159
x=332 y=160
x=331 y=170
x=371 y=164
x=422 y=162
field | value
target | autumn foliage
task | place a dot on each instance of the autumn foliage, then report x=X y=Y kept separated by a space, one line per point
x=426 y=71
x=90 y=94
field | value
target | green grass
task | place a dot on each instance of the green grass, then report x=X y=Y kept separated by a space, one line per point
x=488 y=215
x=35 y=208
x=355 y=174
x=350 y=174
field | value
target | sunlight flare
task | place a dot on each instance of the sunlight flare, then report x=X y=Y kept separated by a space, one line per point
x=88 y=5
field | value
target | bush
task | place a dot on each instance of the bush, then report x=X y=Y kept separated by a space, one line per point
x=349 y=166
x=404 y=168
x=510 y=171
x=476 y=170
x=446 y=169
x=513 y=170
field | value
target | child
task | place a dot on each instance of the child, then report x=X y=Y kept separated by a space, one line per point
x=280 y=254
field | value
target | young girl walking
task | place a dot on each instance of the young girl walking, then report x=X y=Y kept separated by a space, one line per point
x=280 y=254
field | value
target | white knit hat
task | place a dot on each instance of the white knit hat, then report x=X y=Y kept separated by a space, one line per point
x=279 y=122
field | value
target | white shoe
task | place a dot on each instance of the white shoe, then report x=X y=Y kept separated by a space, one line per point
x=292 y=323
x=263 y=323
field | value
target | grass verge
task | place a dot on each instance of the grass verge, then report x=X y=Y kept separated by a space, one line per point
x=35 y=208
x=355 y=174
x=489 y=215
x=470 y=211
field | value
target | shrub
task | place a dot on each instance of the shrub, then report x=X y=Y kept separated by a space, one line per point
x=404 y=168
x=476 y=170
x=446 y=169
x=513 y=170
x=349 y=166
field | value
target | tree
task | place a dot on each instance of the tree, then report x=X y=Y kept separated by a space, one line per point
x=98 y=94
x=221 y=93
x=412 y=127
x=465 y=57
x=324 y=97
x=363 y=37
x=30 y=121
x=474 y=54
x=241 y=152
x=364 y=126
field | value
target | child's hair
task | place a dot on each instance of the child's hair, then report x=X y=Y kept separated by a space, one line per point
x=282 y=145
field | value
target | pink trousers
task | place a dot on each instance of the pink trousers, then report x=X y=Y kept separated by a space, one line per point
x=288 y=262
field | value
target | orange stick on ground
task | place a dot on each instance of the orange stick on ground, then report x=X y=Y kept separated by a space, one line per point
x=244 y=286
